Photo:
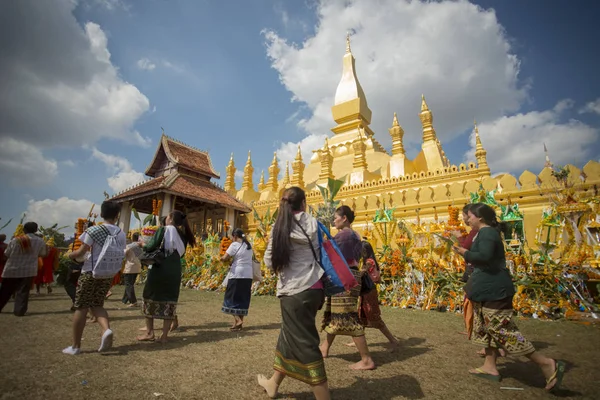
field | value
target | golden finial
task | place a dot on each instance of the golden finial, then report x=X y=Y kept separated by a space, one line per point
x=424 y=106
x=261 y=182
x=348 y=43
x=480 y=153
x=299 y=154
x=477 y=138
x=249 y=158
x=548 y=163
x=274 y=158
x=326 y=146
x=286 y=177
x=395 y=122
x=231 y=159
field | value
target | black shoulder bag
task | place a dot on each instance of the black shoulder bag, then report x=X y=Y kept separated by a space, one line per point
x=154 y=257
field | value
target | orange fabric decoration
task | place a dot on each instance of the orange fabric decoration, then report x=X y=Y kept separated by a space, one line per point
x=468 y=316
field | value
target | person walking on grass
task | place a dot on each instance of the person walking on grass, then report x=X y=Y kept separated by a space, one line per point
x=341 y=311
x=91 y=292
x=21 y=267
x=369 y=312
x=239 y=279
x=133 y=267
x=293 y=245
x=491 y=290
x=161 y=291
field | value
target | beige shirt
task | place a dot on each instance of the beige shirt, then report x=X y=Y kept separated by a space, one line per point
x=303 y=270
x=132 y=262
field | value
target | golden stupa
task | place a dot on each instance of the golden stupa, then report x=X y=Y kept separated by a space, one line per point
x=375 y=179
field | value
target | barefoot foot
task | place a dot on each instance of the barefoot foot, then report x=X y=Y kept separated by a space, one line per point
x=363 y=365
x=350 y=344
x=393 y=346
x=145 y=338
x=162 y=340
x=269 y=386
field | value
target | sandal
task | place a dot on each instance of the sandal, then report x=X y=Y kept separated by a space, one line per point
x=484 y=375
x=559 y=373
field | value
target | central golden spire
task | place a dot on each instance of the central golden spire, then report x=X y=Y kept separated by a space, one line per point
x=350 y=101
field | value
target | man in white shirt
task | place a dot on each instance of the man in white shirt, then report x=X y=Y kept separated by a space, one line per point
x=21 y=267
x=91 y=291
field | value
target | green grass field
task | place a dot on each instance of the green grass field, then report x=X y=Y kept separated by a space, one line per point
x=204 y=360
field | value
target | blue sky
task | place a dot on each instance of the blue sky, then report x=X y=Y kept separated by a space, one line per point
x=233 y=76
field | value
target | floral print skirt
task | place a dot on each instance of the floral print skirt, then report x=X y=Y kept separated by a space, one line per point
x=494 y=326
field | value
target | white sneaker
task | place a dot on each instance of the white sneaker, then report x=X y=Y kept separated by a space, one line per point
x=72 y=351
x=107 y=341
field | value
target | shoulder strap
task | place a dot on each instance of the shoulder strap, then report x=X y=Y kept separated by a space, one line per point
x=309 y=241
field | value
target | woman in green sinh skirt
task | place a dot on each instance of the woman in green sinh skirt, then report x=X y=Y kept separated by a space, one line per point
x=163 y=282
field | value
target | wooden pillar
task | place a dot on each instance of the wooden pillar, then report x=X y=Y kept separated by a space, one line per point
x=125 y=217
x=167 y=205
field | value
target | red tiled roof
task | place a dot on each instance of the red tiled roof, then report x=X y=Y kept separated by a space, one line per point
x=184 y=186
x=142 y=188
x=205 y=191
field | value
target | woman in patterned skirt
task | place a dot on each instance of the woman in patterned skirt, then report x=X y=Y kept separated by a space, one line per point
x=163 y=282
x=341 y=311
x=491 y=290
x=369 y=312
x=291 y=252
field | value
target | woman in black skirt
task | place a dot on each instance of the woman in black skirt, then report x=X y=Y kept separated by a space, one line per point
x=239 y=279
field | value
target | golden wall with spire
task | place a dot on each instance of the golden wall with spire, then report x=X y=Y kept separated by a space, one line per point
x=374 y=178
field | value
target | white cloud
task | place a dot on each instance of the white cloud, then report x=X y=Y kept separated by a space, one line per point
x=64 y=74
x=68 y=163
x=112 y=5
x=239 y=175
x=124 y=175
x=124 y=179
x=175 y=67
x=591 y=107
x=287 y=151
x=24 y=165
x=456 y=53
x=516 y=142
x=145 y=64
x=63 y=211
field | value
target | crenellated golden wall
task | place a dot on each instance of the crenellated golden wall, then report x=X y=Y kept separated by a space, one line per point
x=431 y=192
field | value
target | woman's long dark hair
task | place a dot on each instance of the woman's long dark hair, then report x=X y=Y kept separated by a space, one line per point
x=368 y=252
x=239 y=233
x=180 y=222
x=291 y=201
x=486 y=213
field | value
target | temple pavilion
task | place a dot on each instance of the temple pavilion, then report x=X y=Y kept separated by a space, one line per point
x=180 y=179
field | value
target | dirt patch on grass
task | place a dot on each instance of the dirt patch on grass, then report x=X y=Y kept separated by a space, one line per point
x=204 y=360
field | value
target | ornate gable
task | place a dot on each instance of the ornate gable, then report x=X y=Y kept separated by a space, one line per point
x=176 y=153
